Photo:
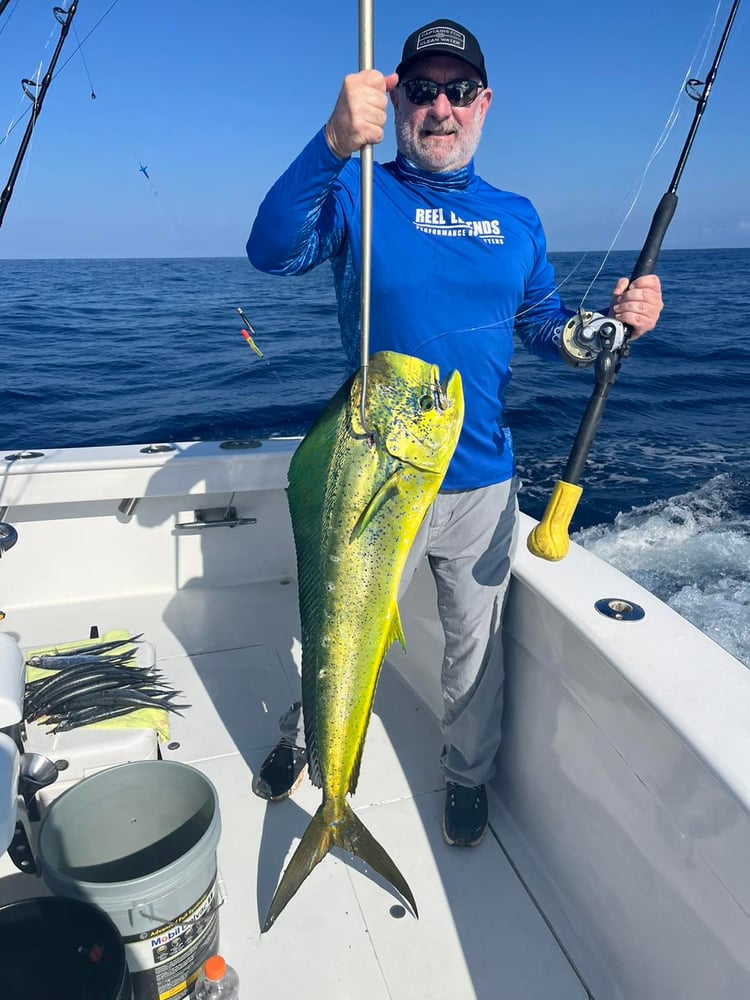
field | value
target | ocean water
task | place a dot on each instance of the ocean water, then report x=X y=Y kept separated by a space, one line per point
x=101 y=352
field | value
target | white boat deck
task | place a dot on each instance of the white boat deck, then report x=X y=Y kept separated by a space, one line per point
x=345 y=933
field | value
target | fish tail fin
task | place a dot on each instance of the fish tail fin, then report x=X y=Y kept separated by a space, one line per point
x=316 y=842
x=352 y=834
x=328 y=828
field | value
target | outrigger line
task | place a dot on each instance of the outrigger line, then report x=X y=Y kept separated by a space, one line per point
x=549 y=539
x=36 y=94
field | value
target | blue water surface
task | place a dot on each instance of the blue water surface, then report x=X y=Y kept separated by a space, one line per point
x=100 y=352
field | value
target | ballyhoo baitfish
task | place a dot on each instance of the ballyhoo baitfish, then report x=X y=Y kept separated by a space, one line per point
x=357 y=498
x=82 y=655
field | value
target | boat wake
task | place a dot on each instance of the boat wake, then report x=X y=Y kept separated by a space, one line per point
x=693 y=552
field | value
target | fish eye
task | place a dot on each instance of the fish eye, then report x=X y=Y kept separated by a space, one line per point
x=427 y=402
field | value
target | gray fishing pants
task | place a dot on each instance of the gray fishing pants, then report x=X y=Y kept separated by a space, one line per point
x=467 y=537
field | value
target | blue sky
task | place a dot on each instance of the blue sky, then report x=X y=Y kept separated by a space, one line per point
x=215 y=99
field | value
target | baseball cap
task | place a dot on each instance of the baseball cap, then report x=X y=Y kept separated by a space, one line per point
x=443 y=38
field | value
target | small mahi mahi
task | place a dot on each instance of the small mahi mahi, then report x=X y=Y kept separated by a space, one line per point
x=357 y=498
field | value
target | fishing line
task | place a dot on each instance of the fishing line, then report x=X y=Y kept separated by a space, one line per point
x=85 y=64
x=511 y=320
x=10 y=15
x=550 y=538
x=248 y=334
x=705 y=41
x=15 y=121
x=172 y=218
x=31 y=108
x=64 y=64
x=87 y=36
x=669 y=125
x=64 y=18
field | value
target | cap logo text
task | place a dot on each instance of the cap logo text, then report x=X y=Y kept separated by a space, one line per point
x=441 y=35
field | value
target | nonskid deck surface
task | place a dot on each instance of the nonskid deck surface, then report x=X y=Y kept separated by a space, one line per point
x=234 y=653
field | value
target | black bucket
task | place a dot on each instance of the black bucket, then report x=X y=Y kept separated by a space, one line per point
x=60 y=949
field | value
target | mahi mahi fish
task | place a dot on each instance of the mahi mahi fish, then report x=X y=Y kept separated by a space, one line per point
x=357 y=497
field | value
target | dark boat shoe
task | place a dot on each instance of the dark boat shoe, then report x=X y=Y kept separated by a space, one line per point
x=465 y=815
x=281 y=772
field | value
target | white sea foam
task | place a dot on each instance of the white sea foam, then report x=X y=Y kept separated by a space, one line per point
x=693 y=552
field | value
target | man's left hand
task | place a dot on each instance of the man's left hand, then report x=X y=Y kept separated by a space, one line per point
x=637 y=304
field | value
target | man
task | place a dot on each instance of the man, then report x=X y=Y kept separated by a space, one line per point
x=457 y=267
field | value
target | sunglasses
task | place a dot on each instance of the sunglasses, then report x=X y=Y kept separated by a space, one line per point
x=460 y=93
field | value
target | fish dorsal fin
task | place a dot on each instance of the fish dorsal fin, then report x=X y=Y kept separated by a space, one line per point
x=387 y=491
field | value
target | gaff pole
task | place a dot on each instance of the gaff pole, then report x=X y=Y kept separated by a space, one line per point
x=366 y=61
x=65 y=18
x=549 y=539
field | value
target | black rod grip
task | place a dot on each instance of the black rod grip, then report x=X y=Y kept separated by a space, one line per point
x=646 y=263
x=585 y=437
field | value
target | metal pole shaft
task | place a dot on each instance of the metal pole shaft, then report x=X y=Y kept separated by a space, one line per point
x=366 y=59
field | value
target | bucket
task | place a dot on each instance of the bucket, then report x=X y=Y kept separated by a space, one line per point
x=60 y=949
x=139 y=841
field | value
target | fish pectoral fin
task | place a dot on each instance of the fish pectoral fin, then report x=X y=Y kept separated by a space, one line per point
x=396 y=631
x=388 y=491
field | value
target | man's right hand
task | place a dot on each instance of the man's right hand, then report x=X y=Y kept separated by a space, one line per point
x=359 y=116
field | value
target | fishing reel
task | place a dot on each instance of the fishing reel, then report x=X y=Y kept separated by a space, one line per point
x=587 y=334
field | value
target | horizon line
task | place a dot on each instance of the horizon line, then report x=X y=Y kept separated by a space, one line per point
x=243 y=256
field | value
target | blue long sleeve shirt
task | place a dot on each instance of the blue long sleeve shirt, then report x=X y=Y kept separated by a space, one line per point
x=457 y=266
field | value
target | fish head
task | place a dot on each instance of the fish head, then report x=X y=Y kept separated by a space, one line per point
x=409 y=411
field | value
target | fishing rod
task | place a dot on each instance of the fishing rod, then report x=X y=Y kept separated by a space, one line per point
x=65 y=19
x=590 y=338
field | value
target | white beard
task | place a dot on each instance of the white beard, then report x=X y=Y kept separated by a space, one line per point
x=414 y=143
